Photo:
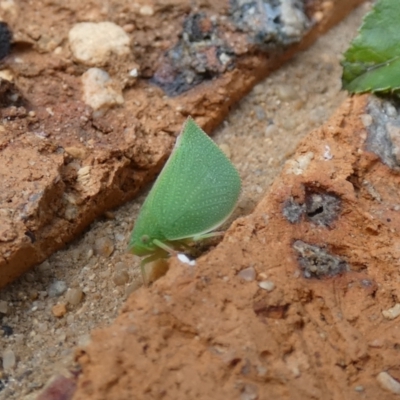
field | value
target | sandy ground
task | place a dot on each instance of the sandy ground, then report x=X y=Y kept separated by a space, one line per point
x=260 y=134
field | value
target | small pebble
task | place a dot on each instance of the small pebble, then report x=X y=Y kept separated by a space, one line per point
x=33 y=294
x=57 y=288
x=120 y=237
x=286 y=93
x=390 y=110
x=392 y=313
x=377 y=343
x=226 y=149
x=146 y=11
x=44 y=268
x=120 y=277
x=366 y=119
x=3 y=307
x=42 y=327
x=318 y=16
x=134 y=73
x=59 y=310
x=271 y=130
x=388 y=383
x=76 y=152
x=95 y=44
x=99 y=90
x=260 y=113
x=269 y=286
x=104 y=246
x=74 y=296
x=9 y=359
x=128 y=28
x=37 y=305
x=89 y=254
x=8 y=76
x=248 y=274
x=186 y=260
x=359 y=388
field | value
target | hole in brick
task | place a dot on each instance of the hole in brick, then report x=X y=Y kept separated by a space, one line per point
x=322 y=208
x=316 y=262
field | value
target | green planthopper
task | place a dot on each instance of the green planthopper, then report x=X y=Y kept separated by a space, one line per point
x=194 y=194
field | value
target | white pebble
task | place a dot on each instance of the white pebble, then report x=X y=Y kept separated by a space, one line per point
x=134 y=73
x=185 y=259
x=94 y=44
x=327 y=153
x=9 y=359
x=388 y=383
x=120 y=237
x=99 y=91
x=293 y=20
x=366 y=119
x=224 y=58
x=269 y=286
x=392 y=313
x=146 y=11
x=248 y=274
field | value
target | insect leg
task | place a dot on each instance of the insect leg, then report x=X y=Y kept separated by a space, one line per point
x=165 y=247
x=207 y=235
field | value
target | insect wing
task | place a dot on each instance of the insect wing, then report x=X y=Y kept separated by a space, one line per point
x=197 y=189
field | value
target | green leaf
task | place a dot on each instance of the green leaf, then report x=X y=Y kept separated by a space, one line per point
x=372 y=63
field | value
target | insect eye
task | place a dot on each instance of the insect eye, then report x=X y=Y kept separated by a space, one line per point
x=145 y=239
